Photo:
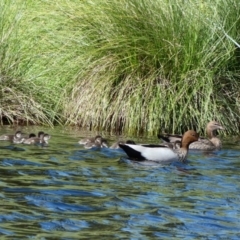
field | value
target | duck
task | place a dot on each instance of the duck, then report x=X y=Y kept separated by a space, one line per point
x=161 y=154
x=18 y=139
x=90 y=140
x=97 y=141
x=86 y=140
x=116 y=144
x=11 y=137
x=42 y=138
x=32 y=138
x=45 y=138
x=210 y=143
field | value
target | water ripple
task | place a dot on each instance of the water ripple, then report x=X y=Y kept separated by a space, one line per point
x=64 y=191
x=64 y=225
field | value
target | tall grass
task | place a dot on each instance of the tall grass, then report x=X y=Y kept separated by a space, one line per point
x=157 y=65
x=131 y=65
x=17 y=94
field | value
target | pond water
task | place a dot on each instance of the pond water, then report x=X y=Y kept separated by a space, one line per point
x=64 y=191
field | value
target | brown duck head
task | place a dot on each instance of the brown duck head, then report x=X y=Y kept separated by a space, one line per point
x=212 y=128
x=189 y=137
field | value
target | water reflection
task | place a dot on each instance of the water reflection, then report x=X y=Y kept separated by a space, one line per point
x=64 y=191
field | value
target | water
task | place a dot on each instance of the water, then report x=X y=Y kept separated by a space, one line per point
x=64 y=191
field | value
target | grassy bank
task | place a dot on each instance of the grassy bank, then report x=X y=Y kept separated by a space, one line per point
x=138 y=66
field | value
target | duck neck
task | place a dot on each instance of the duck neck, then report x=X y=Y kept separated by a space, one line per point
x=185 y=145
x=182 y=153
x=211 y=133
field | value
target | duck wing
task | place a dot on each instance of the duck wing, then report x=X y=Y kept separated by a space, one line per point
x=170 y=138
x=202 y=144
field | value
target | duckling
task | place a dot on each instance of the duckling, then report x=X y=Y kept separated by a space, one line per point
x=11 y=137
x=30 y=137
x=40 y=134
x=98 y=142
x=45 y=138
x=42 y=138
x=23 y=138
x=86 y=140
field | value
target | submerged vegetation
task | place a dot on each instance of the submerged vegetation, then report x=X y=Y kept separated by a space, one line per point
x=130 y=65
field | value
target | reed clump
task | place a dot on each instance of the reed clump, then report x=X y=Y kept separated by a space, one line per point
x=134 y=66
x=23 y=100
x=157 y=65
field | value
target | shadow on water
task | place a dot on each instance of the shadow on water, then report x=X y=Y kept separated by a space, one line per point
x=64 y=191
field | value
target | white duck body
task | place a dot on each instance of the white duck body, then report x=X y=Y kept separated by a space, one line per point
x=161 y=154
x=157 y=154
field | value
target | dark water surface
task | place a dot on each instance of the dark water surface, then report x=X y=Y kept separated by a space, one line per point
x=64 y=191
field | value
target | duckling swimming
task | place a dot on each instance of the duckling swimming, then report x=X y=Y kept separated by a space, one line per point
x=15 y=138
x=98 y=141
x=42 y=138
